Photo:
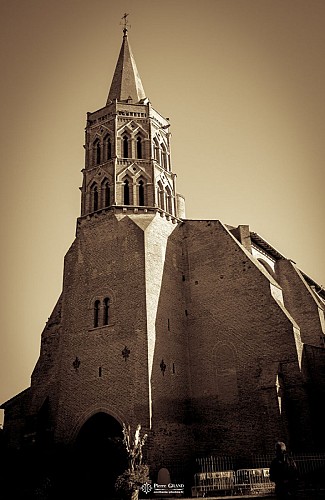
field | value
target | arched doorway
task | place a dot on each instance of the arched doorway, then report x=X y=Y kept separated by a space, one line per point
x=99 y=456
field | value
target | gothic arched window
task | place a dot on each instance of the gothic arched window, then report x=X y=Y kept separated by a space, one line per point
x=169 y=200
x=106 y=311
x=164 y=158
x=96 y=313
x=94 y=193
x=108 y=147
x=106 y=194
x=161 y=196
x=98 y=152
x=141 y=192
x=126 y=192
x=156 y=150
x=125 y=146
x=139 y=147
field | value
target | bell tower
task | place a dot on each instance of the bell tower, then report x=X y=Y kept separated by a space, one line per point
x=128 y=162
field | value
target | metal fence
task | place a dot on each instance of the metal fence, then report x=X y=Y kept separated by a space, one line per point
x=306 y=463
x=240 y=482
x=310 y=463
x=250 y=476
x=205 y=482
x=252 y=482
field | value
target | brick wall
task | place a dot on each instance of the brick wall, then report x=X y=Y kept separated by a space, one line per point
x=205 y=340
x=106 y=260
x=229 y=303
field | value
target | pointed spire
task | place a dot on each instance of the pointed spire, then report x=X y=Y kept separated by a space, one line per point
x=126 y=81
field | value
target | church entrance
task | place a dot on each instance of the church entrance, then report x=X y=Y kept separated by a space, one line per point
x=99 y=456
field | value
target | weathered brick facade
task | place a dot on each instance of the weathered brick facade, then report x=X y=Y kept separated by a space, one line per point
x=201 y=332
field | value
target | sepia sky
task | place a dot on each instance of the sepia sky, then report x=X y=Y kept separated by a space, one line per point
x=242 y=82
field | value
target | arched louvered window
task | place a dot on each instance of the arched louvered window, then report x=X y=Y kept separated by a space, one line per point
x=95 y=198
x=139 y=147
x=107 y=195
x=108 y=147
x=164 y=156
x=161 y=196
x=98 y=153
x=156 y=150
x=125 y=146
x=96 y=313
x=169 y=201
x=126 y=192
x=141 y=192
x=106 y=311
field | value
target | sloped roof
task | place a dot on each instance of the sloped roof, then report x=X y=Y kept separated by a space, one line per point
x=256 y=238
x=126 y=81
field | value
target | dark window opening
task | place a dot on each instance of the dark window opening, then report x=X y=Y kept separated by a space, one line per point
x=98 y=153
x=107 y=195
x=96 y=313
x=125 y=146
x=95 y=198
x=163 y=156
x=141 y=193
x=100 y=371
x=139 y=147
x=169 y=202
x=108 y=148
x=126 y=193
x=173 y=367
x=156 y=150
x=168 y=323
x=106 y=311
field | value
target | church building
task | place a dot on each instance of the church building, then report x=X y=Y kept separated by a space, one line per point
x=201 y=332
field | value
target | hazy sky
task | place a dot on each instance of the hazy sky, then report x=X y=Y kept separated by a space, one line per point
x=242 y=82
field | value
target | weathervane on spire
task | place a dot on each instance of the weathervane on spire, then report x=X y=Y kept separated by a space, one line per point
x=126 y=23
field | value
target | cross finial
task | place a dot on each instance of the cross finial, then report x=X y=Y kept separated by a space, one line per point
x=126 y=23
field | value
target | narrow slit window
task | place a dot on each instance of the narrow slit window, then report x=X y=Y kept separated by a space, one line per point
x=107 y=195
x=108 y=148
x=100 y=371
x=98 y=155
x=106 y=311
x=96 y=313
x=125 y=146
x=156 y=150
x=126 y=192
x=163 y=156
x=95 y=198
x=161 y=196
x=141 y=193
x=139 y=147
x=169 y=203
